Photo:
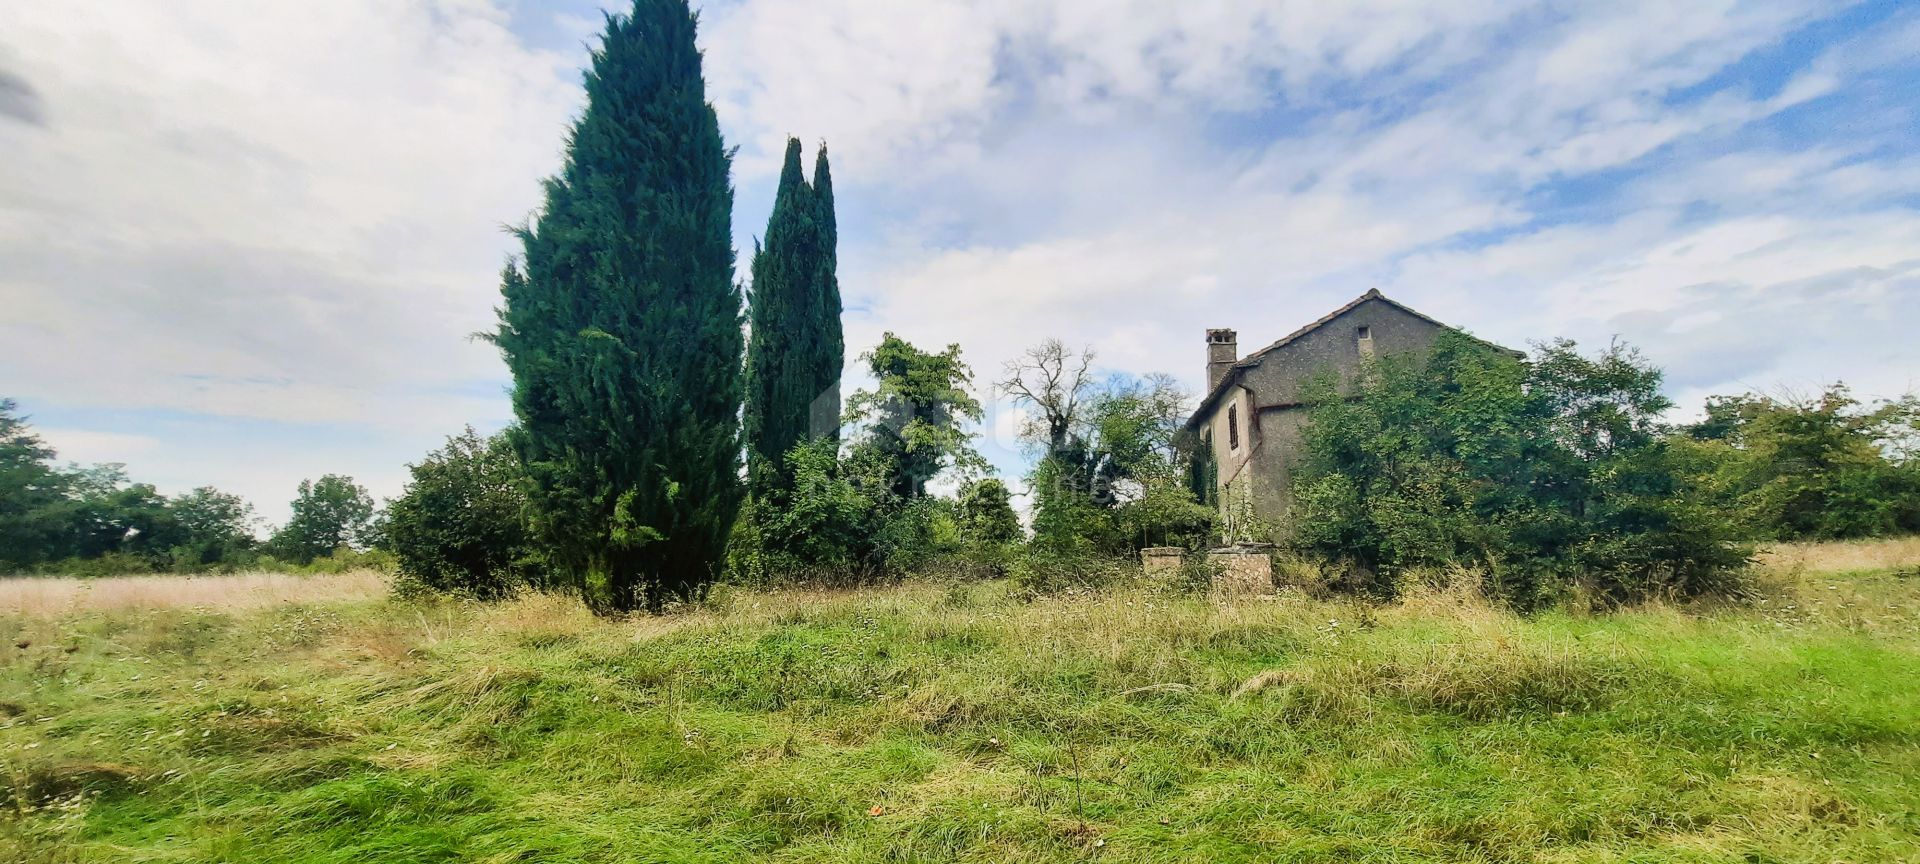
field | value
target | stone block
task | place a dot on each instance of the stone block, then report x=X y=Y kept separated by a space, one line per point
x=1161 y=560
x=1239 y=570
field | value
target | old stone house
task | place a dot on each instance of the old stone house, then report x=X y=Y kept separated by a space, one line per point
x=1253 y=414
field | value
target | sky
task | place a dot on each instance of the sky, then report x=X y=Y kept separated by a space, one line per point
x=245 y=243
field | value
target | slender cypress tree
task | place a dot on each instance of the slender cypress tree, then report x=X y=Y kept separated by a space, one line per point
x=778 y=377
x=830 y=345
x=796 y=350
x=621 y=325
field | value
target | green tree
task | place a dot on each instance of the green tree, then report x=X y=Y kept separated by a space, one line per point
x=622 y=327
x=328 y=514
x=1825 y=467
x=985 y=513
x=1112 y=476
x=216 y=528
x=108 y=515
x=460 y=526
x=914 y=418
x=795 y=351
x=828 y=356
x=33 y=495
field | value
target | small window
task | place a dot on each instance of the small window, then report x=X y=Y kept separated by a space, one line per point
x=1233 y=427
x=1363 y=338
x=1366 y=333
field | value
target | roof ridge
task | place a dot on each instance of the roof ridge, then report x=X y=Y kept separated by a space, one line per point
x=1372 y=294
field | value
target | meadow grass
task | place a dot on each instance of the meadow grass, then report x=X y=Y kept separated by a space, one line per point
x=57 y=595
x=937 y=722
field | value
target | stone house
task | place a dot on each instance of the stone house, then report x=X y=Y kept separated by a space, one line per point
x=1253 y=414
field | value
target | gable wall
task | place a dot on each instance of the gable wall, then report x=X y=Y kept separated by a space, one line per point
x=1261 y=475
x=1283 y=375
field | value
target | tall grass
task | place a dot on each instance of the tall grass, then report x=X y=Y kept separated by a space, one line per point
x=63 y=595
x=970 y=722
x=1841 y=556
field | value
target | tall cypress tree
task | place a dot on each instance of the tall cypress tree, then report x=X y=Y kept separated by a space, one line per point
x=778 y=377
x=796 y=349
x=830 y=345
x=621 y=325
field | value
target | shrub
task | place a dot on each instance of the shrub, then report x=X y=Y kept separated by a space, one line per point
x=827 y=526
x=347 y=559
x=458 y=527
x=1042 y=572
x=1117 y=479
x=984 y=512
x=110 y=564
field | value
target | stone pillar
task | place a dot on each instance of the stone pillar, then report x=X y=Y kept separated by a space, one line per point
x=1242 y=569
x=1161 y=560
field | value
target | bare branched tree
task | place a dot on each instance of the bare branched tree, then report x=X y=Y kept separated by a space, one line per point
x=1056 y=380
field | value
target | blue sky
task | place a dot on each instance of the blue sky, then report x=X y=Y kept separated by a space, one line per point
x=245 y=243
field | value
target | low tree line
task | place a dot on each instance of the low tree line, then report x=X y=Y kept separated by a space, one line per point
x=1822 y=467
x=1547 y=475
x=94 y=520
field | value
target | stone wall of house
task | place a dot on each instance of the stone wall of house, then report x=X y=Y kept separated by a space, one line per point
x=1272 y=421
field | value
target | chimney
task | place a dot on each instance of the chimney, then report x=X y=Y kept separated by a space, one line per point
x=1223 y=347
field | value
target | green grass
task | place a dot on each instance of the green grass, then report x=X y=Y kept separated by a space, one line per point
x=930 y=723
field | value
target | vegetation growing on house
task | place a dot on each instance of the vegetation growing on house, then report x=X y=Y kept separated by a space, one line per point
x=1546 y=476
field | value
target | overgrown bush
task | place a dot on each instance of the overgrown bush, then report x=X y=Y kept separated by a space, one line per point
x=842 y=523
x=1545 y=475
x=988 y=529
x=824 y=527
x=459 y=526
x=868 y=515
x=347 y=559
x=109 y=564
x=1112 y=478
x=984 y=511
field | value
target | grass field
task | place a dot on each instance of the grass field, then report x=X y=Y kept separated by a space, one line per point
x=318 y=721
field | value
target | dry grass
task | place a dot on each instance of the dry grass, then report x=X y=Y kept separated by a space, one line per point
x=1843 y=556
x=60 y=596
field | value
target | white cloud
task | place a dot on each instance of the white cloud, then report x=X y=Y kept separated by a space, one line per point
x=299 y=203
x=89 y=446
